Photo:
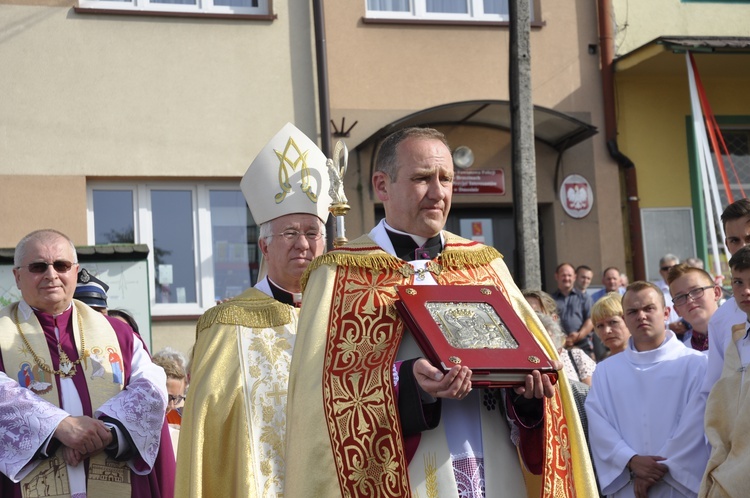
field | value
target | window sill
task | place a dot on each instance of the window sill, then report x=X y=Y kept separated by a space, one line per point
x=445 y=22
x=158 y=13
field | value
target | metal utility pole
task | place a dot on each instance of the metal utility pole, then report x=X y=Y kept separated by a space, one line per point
x=528 y=267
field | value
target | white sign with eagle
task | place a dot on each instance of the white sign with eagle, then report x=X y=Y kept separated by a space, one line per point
x=576 y=196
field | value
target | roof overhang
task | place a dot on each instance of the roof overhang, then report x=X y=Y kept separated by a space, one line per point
x=556 y=129
x=656 y=56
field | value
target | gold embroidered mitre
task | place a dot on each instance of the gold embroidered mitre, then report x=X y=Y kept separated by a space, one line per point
x=289 y=175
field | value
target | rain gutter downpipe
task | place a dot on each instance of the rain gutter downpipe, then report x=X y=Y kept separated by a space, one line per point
x=607 y=51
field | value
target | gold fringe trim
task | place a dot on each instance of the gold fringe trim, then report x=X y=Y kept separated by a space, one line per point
x=376 y=261
x=374 y=258
x=251 y=312
x=463 y=258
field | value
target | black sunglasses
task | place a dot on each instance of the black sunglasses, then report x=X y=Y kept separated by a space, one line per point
x=60 y=266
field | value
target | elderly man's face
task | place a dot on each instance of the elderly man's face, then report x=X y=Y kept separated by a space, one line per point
x=50 y=291
x=665 y=266
x=611 y=280
x=419 y=200
x=565 y=277
x=287 y=258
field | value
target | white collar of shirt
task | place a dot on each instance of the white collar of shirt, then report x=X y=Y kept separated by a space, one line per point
x=27 y=310
x=379 y=235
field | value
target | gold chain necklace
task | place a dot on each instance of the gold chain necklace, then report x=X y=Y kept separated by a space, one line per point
x=408 y=270
x=67 y=367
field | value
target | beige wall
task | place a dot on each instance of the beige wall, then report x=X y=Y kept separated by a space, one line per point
x=637 y=22
x=383 y=72
x=139 y=98
x=179 y=335
x=111 y=95
x=30 y=203
x=651 y=122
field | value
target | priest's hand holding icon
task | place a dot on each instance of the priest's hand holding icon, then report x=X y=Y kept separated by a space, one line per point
x=455 y=384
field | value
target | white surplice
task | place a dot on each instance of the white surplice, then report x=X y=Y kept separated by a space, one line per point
x=649 y=403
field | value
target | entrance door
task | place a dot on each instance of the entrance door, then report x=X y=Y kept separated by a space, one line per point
x=474 y=224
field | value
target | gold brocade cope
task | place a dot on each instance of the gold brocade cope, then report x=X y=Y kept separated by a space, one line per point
x=727 y=427
x=234 y=420
x=104 y=375
x=360 y=403
x=362 y=336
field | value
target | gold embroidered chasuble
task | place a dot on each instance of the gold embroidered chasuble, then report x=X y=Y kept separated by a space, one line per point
x=105 y=474
x=231 y=441
x=728 y=427
x=348 y=441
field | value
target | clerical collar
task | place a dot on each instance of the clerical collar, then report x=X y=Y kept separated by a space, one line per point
x=26 y=310
x=284 y=296
x=408 y=249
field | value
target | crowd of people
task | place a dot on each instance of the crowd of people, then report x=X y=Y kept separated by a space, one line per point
x=330 y=395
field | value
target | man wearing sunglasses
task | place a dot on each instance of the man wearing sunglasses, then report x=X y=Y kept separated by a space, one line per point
x=65 y=417
x=236 y=403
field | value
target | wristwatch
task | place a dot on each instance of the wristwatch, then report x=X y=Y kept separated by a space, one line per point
x=113 y=445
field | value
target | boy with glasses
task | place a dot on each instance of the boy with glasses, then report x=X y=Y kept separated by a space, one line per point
x=695 y=298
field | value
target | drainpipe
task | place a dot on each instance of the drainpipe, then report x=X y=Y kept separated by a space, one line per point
x=607 y=51
x=324 y=104
x=321 y=59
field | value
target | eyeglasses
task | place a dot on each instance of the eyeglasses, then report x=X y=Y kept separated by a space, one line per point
x=176 y=398
x=694 y=294
x=667 y=268
x=291 y=235
x=60 y=266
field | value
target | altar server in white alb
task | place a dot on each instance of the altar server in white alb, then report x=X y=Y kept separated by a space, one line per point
x=645 y=407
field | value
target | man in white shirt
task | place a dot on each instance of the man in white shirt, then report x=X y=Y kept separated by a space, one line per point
x=645 y=407
x=736 y=220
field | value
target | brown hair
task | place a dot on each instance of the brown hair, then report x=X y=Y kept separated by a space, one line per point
x=640 y=285
x=683 y=269
x=386 y=158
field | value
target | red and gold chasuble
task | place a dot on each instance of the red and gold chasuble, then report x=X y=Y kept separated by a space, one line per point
x=364 y=334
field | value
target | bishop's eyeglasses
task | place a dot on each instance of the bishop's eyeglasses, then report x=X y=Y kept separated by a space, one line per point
x=293 y=235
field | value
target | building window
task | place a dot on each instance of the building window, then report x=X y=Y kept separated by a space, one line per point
x=456 y=10
x=244 y=7
x=202 y=239
x=738 y=144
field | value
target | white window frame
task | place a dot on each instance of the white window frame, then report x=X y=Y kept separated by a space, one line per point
x=200 y=7
x=418 y=11
x=143 y=227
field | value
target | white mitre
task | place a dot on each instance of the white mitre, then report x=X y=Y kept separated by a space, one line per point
x=288 y=176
